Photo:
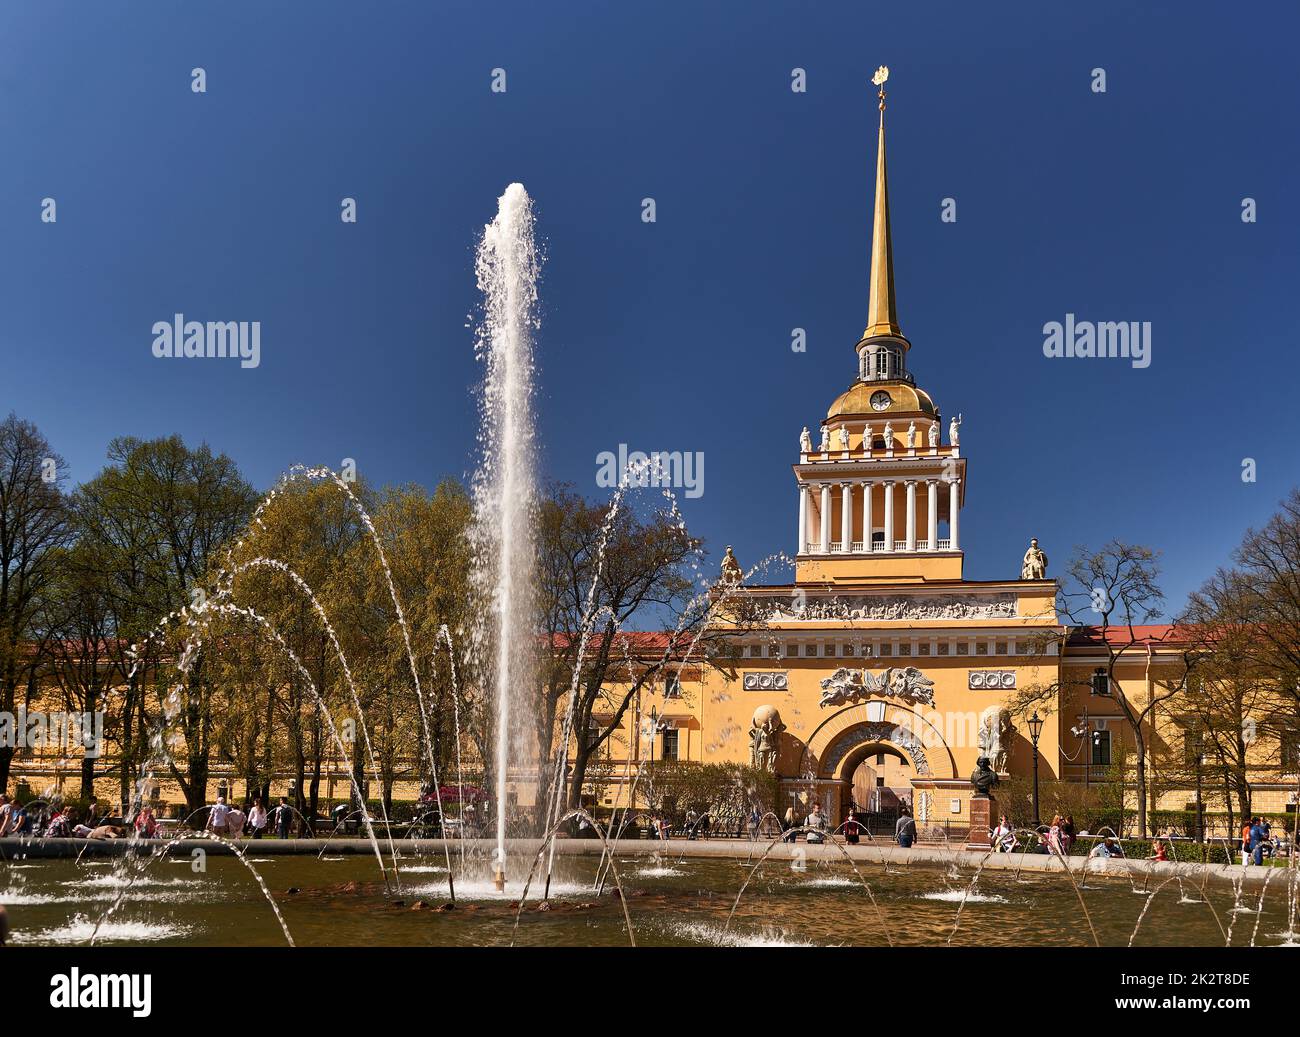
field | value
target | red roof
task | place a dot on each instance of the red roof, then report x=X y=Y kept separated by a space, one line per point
x=1124 y=636
x=634 y=640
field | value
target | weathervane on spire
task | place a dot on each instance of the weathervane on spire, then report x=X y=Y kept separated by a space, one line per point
x=882 y=73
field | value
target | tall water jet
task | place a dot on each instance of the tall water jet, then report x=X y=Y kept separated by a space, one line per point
x=504 y=485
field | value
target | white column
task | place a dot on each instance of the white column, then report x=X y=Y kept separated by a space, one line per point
x=846 y=516
x=889 y=515
x=954 y=508
x=825 y=543
x=804 y=505
x=932 y=516
x=911 y=514
x=866 y=516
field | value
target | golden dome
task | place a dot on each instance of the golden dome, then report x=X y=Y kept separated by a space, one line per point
x=904 y=399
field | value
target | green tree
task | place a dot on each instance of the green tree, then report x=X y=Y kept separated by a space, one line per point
x=33 y=530
x=160 y=515
x=1112 y=592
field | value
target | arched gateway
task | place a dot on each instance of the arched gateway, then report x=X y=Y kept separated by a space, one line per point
x=857 y=736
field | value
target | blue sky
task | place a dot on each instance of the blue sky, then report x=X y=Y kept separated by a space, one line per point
x=676 y=335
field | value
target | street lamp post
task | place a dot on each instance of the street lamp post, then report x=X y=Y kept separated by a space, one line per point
x=654 y=731
x=1035 y=729
x=1200 y=803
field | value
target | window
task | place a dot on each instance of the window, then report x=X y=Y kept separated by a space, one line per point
x=1290 y=750
x=673 y=688
x=1100 y=682
x=1101 y=748
x=670 y=744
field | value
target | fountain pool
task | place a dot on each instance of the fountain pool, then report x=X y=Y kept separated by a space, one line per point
x=672 y=902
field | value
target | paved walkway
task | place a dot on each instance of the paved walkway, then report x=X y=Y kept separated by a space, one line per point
x=933 y=855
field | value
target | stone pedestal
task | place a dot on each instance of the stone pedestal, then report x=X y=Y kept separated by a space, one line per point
x=982 y=810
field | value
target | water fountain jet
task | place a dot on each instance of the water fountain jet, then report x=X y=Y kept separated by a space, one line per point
x=504 y=486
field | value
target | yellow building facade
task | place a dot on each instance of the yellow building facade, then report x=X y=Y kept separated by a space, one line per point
x=878 y=676
x=881 y=675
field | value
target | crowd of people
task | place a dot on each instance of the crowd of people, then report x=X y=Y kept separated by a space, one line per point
x=253 y=820
x=54 y=820
x=1258 y=841
x=57 y=820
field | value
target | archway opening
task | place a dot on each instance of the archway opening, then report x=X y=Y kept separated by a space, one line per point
x=876 y=784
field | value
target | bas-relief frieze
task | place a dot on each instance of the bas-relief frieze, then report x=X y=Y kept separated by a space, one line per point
x=873 y=608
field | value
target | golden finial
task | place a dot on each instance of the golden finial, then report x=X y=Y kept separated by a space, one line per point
x=882 y=73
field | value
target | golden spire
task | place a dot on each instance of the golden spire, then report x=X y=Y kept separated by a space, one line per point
x=882 y=318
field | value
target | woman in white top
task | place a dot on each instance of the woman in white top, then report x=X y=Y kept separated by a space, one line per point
x=257 y=819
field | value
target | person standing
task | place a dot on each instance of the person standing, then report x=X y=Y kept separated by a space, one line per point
x=6 y=814
x=1067 y=833
x=852 y=829
x=755 y=819
x=787 y=825
x=1257 y=841
x=235 y=819
x=218 y=814
x=905 y=830
x=257 y=819
x=283 y=818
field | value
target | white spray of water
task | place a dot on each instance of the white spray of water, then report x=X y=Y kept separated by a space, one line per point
x=504 y=486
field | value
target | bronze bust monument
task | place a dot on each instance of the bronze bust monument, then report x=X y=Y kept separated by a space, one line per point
x=983 y=777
